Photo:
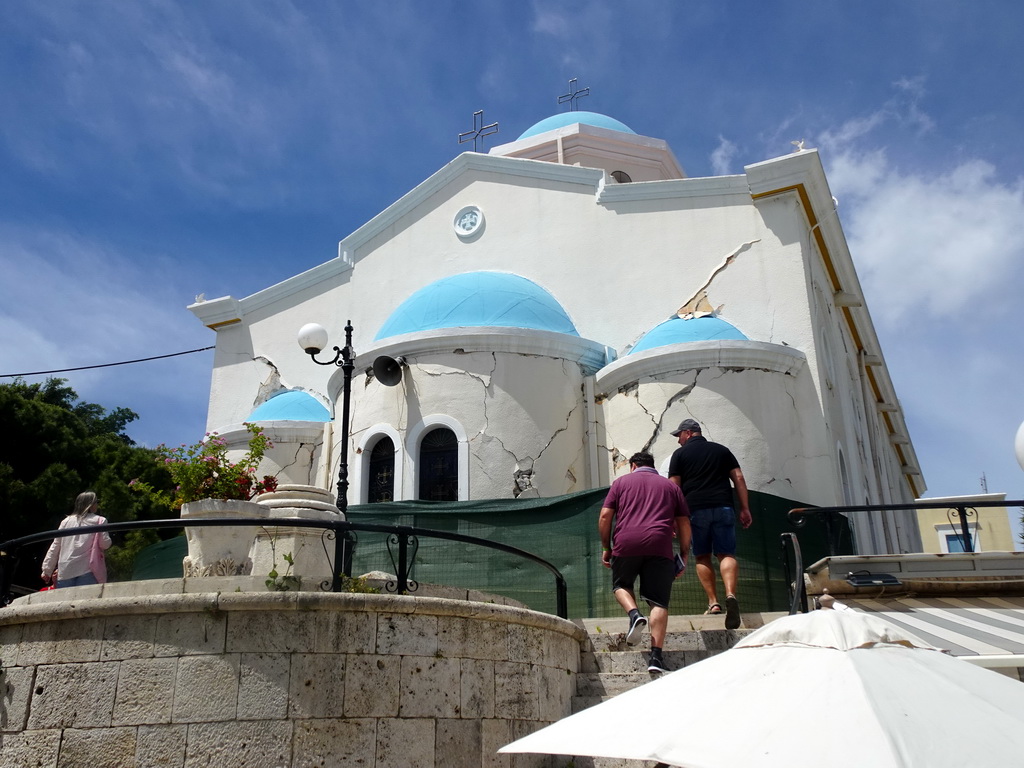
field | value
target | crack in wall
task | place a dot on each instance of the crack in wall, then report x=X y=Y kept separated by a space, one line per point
x=271 y=384
x=310 y=468
x=440 y=374
x=694 y=302
x=484 y=434
x=680 y=395
x=523 y=479
x=519 y=477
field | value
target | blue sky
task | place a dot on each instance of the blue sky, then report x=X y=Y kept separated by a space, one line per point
x=153 y=151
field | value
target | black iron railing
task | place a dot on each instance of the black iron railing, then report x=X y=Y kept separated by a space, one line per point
x=793 y=570
x=338 y=535
x=959 y=514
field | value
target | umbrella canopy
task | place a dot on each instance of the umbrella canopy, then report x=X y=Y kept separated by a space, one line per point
x=829 y=688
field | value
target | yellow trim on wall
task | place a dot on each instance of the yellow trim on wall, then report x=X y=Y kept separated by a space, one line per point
x=833 y=276
x=215 y=326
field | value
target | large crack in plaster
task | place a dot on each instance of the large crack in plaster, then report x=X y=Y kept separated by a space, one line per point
x=486 y=382
x=698 y=303
x=484 y=379
x=271 y=384
x=551 y=440
x=659 y=421
x=522 y=475
x=310 y=468
x=620 y=460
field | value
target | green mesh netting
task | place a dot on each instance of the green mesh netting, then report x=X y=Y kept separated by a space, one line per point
x=161 y=560
x=561 y=530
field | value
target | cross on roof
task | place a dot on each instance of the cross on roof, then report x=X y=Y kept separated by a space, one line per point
x=573 y=95
x=479 y=129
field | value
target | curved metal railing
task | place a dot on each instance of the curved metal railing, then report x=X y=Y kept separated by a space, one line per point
x=340 y=531
x=794 y=572
x=963 y=511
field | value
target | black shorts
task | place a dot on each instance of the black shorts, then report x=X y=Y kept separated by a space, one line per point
x=656 y=577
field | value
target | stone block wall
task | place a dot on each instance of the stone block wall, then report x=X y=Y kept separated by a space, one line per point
x=278 y=679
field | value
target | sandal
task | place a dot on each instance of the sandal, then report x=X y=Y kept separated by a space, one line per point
x=713 y=610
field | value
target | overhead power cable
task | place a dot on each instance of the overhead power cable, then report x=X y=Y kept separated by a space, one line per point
x=103 y=365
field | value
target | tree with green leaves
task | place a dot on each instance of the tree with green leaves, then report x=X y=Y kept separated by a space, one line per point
x=56 y=446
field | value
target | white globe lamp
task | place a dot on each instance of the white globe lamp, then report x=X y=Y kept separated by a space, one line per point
x=312 y=338
x=1018 y=445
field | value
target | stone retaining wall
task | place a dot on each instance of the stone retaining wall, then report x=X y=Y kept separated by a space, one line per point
x=269 y=680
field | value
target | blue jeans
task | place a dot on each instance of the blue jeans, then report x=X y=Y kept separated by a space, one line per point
x=77 y=581
x=714 y=531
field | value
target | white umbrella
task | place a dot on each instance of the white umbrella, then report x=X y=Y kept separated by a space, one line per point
x=828 y=689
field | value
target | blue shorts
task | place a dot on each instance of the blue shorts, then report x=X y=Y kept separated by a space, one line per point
x=714 y=531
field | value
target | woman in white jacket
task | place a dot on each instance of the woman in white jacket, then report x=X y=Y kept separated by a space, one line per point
x=79 y=559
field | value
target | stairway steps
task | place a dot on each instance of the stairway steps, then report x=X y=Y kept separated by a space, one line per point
x=611 y=666
x=625 y=662
x=611 y=762
x=686 y=640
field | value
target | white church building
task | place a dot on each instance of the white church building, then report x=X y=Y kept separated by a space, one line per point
x=565 y=301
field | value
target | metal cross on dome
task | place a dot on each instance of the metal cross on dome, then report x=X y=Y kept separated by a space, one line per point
x=479 y=129
x=573 y=95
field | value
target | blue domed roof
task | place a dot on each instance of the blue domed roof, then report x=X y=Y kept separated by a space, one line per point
x=476 y=299
x=677 y=330
x=571 y=118
x=290 y=405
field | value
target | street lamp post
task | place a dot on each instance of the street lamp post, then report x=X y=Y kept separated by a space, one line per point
x=313 y=338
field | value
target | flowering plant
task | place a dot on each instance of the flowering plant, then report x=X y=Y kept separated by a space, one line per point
x=203 y=471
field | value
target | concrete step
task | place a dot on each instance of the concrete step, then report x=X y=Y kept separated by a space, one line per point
x=685 y=640
x=676 y=624
x=610 y=666
x=604 y=684
x=625 y=662
x=611 y=762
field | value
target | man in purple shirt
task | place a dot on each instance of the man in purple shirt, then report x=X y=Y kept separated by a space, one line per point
x=639 y=516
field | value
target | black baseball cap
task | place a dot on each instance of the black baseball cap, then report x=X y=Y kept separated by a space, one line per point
x=688 y=425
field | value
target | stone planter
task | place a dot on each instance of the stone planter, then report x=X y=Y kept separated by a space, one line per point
x=220 y=550
x=306 y=546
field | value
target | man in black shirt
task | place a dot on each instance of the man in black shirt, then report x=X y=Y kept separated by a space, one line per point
x=704 y=470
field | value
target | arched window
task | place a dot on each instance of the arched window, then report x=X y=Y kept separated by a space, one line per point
x=381 y=480
x=439 y=466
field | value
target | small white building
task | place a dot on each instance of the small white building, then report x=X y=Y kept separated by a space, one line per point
x=565 y=301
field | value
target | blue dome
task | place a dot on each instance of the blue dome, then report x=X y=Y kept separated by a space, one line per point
x=476 y=299
x=290 y=405
x=677 y=330
x=571 y=118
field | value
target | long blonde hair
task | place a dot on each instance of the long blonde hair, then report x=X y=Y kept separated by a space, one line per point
x=84 y=503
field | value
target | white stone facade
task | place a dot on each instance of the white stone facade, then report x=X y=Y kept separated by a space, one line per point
x=805 y=401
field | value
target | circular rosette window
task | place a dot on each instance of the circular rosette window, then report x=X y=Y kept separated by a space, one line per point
x=468 y=222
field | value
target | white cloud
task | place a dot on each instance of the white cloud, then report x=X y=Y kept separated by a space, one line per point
x=935 y=243
x=722 y=157
x=932 y=238
x=939 y=246
x=549 y=22
x=71 y=303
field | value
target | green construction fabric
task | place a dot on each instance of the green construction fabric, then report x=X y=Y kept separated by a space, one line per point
x=563 y=531
x=161 y=560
